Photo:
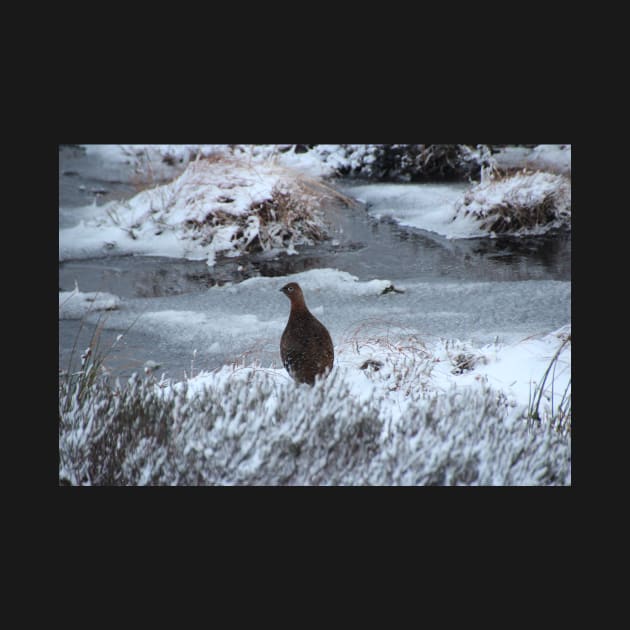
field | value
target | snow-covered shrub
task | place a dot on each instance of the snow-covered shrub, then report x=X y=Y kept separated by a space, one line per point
x=465 y=437
x=247 y=426
x=523 y=203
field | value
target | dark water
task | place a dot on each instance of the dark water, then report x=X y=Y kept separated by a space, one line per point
x=367 y=248
x=86 y=177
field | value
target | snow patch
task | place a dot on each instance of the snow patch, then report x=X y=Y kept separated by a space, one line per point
x=76 y=305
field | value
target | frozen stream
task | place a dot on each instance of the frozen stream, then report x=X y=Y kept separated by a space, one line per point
x=468 y=289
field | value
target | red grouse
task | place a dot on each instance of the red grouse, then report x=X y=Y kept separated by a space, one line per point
x=306 y=348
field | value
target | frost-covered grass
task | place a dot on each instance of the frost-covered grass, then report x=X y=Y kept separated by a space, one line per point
x=523 y=203
x=544 y=405
x=393 y=411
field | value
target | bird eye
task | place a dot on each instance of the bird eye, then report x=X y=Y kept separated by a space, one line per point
x=289 y=288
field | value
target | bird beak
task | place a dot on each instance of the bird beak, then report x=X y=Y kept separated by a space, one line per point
x=280 y=289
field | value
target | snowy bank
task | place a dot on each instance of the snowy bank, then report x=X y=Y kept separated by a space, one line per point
x=376 y=425
x=217 y=206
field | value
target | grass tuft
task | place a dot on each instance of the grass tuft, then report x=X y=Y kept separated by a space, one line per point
x=541 y=407
x=519 y=203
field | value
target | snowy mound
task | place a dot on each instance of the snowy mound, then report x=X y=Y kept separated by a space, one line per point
x=76 y=305
x=525 y=203
x=315 y=280
x=219 y=205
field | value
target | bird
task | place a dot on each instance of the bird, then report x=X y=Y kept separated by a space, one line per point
x=306 y=347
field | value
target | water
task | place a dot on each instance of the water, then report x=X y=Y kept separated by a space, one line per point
x=87 y=177
x=473 y=288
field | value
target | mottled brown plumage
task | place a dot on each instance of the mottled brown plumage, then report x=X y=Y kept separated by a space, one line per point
x=306 y=348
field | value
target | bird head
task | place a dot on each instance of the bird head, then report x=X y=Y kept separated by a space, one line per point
x=293 y=291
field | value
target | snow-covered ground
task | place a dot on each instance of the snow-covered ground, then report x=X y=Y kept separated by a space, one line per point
x=392 y=414
x=164 y=160
x=391 y=350
x=425 y=206
x=161 y=161
x=394 y=366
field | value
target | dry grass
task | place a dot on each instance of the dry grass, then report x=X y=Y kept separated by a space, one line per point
x=509 y=216
x=294 y=213
x=377 y=333
x=389 y=352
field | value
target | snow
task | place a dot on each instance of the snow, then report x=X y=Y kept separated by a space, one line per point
x=247 y=319
x=316 y=280
x=427 y=411
x=243 y=322
x=424 y=206
x=391 y=354
x=409 y=422
x=321 y=161
x=76 y=305
x=459 y=210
